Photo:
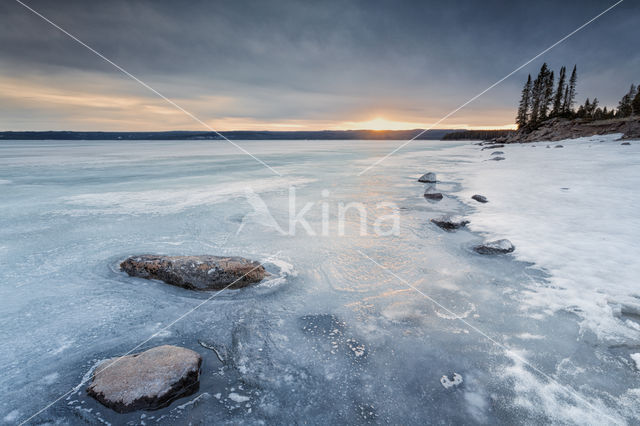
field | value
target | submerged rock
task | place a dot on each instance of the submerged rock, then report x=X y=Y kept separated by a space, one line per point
x=428 y=178
x=625 y=143
x=450 y=223
x=451 y=381
x=497 y=158
x=148 y=380
x=196 y=272
x=559 y=146
x=435 y=196
x=480 y=198
x=497 y=153
x=495 y=247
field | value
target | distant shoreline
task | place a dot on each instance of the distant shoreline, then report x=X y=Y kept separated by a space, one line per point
x=433 y=134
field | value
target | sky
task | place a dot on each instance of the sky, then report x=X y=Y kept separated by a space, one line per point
x=299 y=65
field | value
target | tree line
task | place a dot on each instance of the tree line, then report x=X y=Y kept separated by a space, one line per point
x=543 y=99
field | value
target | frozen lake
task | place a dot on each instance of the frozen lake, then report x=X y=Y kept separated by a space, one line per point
x=543 y=335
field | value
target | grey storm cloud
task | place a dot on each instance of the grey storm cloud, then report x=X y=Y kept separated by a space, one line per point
x=306 y=59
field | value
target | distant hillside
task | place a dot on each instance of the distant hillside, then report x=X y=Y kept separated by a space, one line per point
x=476 y=135
x=435 y=134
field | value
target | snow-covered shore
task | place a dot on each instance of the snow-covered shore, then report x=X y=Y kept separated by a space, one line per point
x=573 y=211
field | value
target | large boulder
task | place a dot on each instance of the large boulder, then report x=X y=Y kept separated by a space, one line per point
x=450 y=223
x=495 y=247
x=148 y=380
x=196 y=272
x=428 y=178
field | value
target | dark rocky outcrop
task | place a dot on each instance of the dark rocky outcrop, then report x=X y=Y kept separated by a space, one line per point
x=557 y=129
x=428 y=178
x=196 y=272
x=450 y=223
x=148 y=380
x=495 y=247
x=480 y=198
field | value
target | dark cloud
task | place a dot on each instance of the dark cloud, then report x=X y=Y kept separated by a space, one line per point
x=314 y=60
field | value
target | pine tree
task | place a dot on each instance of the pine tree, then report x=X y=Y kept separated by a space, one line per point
x=525 y=102
x=635 y=104
x=537 y=95
x=594 y=106
x=571 y=93
x=625 y=107
x=557 y=99
x=547 y=93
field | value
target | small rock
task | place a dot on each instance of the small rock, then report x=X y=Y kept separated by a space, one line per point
x=436 y=196
x=453 y=381
x=428 y=178
x=450 y=223
x=493 y=146
x=625 y=143
x=497 y=153
x=148 y=380
x=196 y=272
x=480 y=198
x=495 y=247
x=497 y=158
x=558 y=146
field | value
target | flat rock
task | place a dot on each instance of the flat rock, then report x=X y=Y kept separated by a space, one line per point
x=625 y=143
x=495 y=247
x=480 y=198
x=428 y=178
x=450 y=223
x=148 y=380
x=196 y=272
x=494 y=146
x=436 y=196
x=497 y=158
x=497 y=153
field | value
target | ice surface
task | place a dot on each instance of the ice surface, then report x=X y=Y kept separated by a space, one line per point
x=331 y=337
x=572 y=212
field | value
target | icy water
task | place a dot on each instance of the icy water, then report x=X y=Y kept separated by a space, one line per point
x=332 y=337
